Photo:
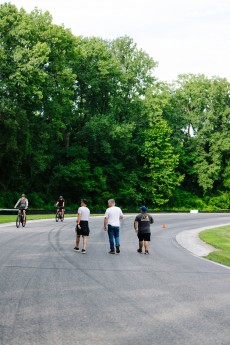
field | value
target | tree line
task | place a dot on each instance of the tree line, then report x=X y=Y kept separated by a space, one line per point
x=86 y=117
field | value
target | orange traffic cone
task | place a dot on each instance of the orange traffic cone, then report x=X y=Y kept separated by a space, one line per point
x=164 y=226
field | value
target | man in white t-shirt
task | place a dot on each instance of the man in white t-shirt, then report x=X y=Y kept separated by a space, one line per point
x=113 y=214
x=82 y=227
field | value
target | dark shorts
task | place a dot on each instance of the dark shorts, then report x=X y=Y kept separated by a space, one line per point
x=84 y=230
x=144 y=237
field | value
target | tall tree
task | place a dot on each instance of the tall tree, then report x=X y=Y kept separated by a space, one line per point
x=160 y=173
x=198 y=114
x=213 y=139
x=20 y=90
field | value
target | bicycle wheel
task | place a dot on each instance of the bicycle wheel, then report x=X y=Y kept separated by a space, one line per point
x=57 y=217
x=62 y=218
x=18 y=221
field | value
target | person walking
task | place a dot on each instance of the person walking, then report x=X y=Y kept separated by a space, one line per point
x=113 y=215
x=142 y=227
x=82 y=227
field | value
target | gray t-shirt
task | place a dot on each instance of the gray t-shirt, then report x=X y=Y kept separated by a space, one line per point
x=22 y=203
x=144 y=220
x=84 y=212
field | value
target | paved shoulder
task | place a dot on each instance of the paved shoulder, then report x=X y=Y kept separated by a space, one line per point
x=191 y=241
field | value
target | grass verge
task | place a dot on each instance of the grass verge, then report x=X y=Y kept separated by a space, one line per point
x=12 y=218
x=220 y=239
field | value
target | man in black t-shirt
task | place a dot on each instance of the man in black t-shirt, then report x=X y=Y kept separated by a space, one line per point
x=142 y=227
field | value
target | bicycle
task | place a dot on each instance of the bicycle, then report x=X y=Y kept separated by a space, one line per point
x=20 y=219
x=58 y=215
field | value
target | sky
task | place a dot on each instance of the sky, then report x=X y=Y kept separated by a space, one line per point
x=183 y=36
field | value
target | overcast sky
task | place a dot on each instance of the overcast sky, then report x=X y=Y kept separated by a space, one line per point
x=183 y=36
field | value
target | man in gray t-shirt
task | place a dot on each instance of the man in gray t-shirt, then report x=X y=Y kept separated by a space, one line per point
x=142 y=227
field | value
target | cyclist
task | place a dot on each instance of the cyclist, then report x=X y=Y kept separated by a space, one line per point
x=22 y=204
x=60 y=204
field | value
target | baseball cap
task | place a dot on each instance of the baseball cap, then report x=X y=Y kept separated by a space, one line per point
x=143 y=208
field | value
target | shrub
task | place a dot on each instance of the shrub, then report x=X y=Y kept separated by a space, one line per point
x=219 y=202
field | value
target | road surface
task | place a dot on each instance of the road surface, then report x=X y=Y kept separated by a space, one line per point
x=52 y=295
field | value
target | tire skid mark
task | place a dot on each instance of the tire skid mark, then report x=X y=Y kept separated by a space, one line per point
x=126 y=300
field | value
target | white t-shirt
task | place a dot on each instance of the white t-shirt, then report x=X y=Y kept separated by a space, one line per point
x=84 y=212
x=113 y=215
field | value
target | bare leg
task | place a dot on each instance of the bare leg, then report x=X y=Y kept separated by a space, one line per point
x=84 y=242
x=140 y=245
x=24 y=216
x=78 y=241
x=146 y=244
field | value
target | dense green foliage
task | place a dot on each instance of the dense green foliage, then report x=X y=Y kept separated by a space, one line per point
x=85 y=117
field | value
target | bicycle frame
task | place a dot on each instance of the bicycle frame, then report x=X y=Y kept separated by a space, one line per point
x=59 y=215
x=20 y=218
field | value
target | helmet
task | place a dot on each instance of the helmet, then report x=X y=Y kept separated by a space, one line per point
x=60 y=197
x=23 y=195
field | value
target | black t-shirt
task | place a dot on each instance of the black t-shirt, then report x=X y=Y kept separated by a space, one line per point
x=144 y=220
x=61 y=202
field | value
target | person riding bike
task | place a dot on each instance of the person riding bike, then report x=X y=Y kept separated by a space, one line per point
x=60 y=204
x=22 y=205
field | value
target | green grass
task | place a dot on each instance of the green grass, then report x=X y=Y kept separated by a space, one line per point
x=12 y=218
x=220 y=239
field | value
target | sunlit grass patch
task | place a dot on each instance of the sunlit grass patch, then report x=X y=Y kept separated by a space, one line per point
x=12 y=218
x=220 y=239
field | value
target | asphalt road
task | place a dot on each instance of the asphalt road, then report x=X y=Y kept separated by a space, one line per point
x=52 y=295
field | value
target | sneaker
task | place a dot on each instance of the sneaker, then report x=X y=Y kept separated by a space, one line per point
x=117 y=249
x=83 y=251
x=147 y=252
x=111 y=252
x=77 y=249
x=139 y=250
